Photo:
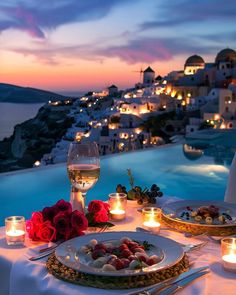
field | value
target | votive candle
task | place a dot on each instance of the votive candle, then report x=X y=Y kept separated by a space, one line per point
x=228 y=251
x=151 y=217
x=15 y=230
x=117 y=203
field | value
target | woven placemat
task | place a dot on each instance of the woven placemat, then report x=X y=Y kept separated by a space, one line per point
x=65 y=273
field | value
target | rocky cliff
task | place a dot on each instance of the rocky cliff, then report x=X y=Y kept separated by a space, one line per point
x=18 y=94
x=33 y=138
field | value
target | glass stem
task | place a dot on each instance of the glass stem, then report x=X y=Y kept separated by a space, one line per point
x=77 y=199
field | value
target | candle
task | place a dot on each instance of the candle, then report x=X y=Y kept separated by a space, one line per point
x=117 y=203
x=228 y=250
x=151 y=217
x=15 y=230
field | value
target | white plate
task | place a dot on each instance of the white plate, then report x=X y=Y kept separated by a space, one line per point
x=175 y=209
x=170 y=251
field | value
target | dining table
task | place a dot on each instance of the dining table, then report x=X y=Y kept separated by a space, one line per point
x=20 y=276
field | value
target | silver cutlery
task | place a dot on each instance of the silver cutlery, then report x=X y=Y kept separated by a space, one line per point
x=178 y=286
x=42 y=250
x=186 y=247
x=170 y=282
x=41 y=255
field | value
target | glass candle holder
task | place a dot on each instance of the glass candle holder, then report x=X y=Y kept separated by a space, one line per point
x=15 y=230
x=117 y=203
x=151 y=219
x=228 y=251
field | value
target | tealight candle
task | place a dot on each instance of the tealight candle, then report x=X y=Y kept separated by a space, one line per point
x=15 y=230
x=228 y=251
x=117 y=203
x=151 y=217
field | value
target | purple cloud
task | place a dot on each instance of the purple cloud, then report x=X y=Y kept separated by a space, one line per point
x=146 y=50
x=171 y=13
x=150 y=50
x=34 y=16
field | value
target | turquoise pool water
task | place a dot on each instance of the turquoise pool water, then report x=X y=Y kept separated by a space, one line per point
x=201 y=178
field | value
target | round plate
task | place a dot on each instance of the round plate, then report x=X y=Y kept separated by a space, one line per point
x=170 y=252
x=171 y=215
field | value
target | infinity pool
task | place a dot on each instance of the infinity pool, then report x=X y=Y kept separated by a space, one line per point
x=199 y=178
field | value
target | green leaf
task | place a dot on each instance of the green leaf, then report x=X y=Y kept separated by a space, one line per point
x=131 y=179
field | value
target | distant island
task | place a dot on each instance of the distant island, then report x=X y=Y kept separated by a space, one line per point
x=18 y=94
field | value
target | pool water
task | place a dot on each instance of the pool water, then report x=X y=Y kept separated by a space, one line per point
x=26 y=191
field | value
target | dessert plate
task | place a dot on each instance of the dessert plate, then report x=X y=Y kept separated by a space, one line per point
x=169 y=251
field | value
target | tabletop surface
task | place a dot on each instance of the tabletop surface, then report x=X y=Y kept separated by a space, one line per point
x=20 y=276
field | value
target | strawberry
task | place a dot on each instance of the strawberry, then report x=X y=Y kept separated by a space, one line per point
x=100 y=246
x=118 y=264
x=123 y=247
x=125 y=262
x=126 y=253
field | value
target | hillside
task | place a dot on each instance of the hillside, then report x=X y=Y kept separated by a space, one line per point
x=18 y=94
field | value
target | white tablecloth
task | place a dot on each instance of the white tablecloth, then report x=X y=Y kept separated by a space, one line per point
x=19 y=276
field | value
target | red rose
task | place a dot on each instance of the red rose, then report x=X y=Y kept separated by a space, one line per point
x=106 y=206
x=33 y=229
x=62 y=205
x=101 y=216
x=95 y=206
x=47 y=232
x=62 y=222
x=79 y=221
x=49 y=213
x=37 y=217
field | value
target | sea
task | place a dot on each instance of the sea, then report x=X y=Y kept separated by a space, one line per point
x=15 y=113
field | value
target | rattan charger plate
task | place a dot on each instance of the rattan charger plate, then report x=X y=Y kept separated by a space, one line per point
x=171 y=218
x=67 y=274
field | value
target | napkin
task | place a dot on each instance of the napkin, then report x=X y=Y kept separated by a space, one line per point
x=230 y=193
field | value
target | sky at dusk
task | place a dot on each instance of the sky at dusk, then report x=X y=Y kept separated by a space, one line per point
x=79 y=45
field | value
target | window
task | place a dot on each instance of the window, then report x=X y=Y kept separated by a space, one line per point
x=227 y=109
x=134 y=107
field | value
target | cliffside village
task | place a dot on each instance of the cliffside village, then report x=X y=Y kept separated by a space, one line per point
x=204 y=92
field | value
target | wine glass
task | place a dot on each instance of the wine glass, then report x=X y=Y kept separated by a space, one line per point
x=83 y=166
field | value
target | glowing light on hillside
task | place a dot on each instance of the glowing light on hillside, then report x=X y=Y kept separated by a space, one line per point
x=223 y=126
x=138 y=130
x=37 y=163
x=127 y=95
x=87 y=134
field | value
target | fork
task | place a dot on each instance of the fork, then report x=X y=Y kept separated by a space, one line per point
x=42 y=250
x=41 y=255
x=190 y=247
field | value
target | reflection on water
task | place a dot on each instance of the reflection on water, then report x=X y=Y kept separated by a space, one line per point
x=221 y=152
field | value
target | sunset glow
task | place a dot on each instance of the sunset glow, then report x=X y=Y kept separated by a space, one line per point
x=81 y=45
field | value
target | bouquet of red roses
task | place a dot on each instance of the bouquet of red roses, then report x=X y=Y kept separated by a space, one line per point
x=59 y=222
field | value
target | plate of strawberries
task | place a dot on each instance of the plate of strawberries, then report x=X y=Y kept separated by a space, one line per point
x=119 y=253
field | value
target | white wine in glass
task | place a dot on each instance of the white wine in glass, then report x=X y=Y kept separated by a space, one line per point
x=83 y=168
